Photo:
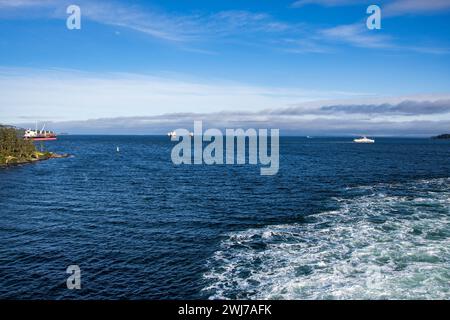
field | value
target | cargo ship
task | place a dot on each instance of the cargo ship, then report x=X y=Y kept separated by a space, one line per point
x=39 y=135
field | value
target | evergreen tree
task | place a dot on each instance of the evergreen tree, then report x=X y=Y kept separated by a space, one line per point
x=13 y=148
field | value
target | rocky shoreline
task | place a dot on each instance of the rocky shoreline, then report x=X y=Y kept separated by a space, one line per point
x=38 y=156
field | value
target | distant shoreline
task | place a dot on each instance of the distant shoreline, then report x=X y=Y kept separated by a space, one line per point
x=442 y=137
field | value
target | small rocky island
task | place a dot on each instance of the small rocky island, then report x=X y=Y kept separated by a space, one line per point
x=442 y=136
x=15 y=150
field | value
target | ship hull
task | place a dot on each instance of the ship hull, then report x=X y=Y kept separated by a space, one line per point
x=41 y=139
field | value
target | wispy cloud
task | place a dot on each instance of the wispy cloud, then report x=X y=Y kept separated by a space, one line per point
x=170 y=26
x=25 y=3
x=326 y=3
x=403 y=7
x=357 y=35
x=196 y=32
x=390 y=7
x=155 y=23
x=152 y=22
x=242 y=21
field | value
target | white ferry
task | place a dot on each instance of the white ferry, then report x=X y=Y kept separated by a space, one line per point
x=364 y=140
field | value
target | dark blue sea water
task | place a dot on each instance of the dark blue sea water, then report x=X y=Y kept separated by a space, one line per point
x=339 y=220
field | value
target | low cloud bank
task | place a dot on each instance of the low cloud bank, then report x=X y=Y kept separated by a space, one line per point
x=405 y=118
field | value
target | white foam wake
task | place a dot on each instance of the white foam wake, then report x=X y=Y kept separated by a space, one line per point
x=391 y=242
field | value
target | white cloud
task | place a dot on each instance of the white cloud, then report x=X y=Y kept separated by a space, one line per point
x=133 y=103
x=404 y=117
x=74 y=95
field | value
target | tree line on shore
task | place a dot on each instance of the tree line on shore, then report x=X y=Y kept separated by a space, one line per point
x=14 y=149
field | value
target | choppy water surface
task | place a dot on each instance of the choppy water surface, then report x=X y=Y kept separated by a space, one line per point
x=340 y=220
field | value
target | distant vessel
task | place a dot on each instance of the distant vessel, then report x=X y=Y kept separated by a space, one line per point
x=118 y=149
x=364 y=140
x=39 y=135
x=174 y=134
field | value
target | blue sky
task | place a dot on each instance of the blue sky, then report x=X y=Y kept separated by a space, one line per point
x=148 y=58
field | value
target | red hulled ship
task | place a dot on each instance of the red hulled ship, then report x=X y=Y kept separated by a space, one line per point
x=39 y=135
